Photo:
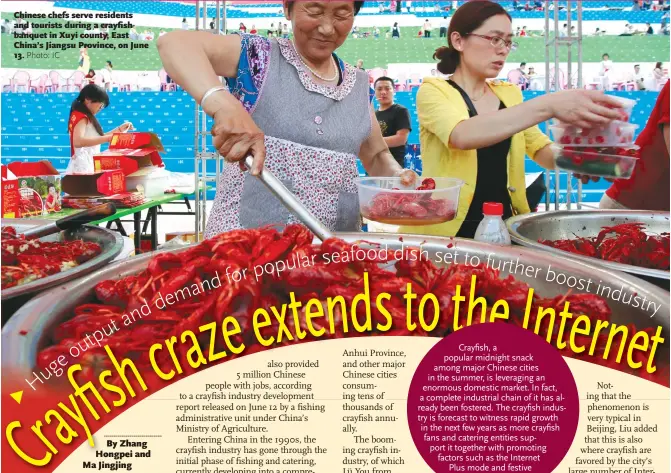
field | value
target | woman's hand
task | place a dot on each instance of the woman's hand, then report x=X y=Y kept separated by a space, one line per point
x=125 y=127
x=583 y=108
x=236 y=136
x=408 y=177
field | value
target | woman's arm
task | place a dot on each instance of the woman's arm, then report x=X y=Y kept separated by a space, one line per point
x=81 y=141
x=196 y=59
x=584 y=108
x=545 y=158
x=537 y=146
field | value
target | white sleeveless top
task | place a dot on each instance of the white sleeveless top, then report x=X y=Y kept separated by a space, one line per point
x=82 y=161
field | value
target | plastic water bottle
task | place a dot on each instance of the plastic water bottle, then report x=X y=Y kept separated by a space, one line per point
x=492 y=229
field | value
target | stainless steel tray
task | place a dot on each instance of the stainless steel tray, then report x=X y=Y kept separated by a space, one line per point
x=111 y=243
x=41 y=315
x=527 y=229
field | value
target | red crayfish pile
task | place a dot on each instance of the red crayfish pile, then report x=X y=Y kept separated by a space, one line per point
x=626 y=243
x=326 y=279
x=24 y=260
x=29 y=207
x=407 y=208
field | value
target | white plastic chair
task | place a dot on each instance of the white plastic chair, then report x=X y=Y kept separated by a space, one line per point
x=76 y=81
x=415 y=80
x=165 y=86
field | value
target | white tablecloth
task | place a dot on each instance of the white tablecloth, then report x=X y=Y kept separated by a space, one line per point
x=537 y=83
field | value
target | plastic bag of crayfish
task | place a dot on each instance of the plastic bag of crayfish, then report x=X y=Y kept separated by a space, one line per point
x=385 y=200
x=336 y=283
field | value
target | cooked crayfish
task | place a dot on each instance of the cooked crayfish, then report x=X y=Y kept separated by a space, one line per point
x=334 y=281
x=626 y=243
x=24 y=260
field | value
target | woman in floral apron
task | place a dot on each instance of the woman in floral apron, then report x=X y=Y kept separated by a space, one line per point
x=293 y=105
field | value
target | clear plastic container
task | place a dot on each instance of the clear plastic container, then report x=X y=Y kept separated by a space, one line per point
x=609 y=162
x=611 y=135
x=492 y=229
x=385 y=200
x=627 y=107
x=152 y=181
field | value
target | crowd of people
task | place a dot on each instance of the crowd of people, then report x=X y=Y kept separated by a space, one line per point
x=471 y=127
x=146 y=35
x=636 y=79
x=643 y=5
x=107 y=79
x=106 y=76
x=402 y=7
x=639 y=79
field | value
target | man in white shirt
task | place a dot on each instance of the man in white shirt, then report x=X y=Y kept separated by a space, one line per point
x=606 y=64
x=444 y=24
x=185 y=25
x=427 y=28
x=605 y=72
x=639 y=78
x=108 y=78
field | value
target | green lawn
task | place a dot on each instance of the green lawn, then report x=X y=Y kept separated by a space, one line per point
x=374 y=52
x=410 y=49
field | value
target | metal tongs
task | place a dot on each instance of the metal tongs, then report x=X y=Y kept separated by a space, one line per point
x=71 y=222
x=290 y=201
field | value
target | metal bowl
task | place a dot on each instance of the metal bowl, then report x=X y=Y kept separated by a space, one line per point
x=527 y=229
x=111 y=243
x=31 y=328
